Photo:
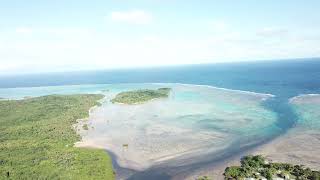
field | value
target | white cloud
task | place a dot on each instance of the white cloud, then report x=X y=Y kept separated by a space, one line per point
x=24 y=30
x=62 y=31
x=53 y=31
x=69 y=50
x=133 y=16
x=151 y=50
x=272 y=32
x=219 y=25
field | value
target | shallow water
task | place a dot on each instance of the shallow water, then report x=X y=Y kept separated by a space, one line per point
x=307 y=108
x=194 y=122
x=284 y=79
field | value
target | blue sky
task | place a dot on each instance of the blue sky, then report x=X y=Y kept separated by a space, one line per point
x=66 y=35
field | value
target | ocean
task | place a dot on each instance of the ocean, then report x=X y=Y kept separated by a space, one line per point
x=284 y=79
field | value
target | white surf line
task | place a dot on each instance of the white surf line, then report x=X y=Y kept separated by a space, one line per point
x=110 y=84
x=302 y=96
x=219 y=88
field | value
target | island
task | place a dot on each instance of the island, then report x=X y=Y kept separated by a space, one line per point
x=37 y=139
x=140 y=96
x=258 y=167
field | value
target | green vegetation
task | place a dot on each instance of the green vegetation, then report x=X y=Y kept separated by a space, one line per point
x=140 y=96
x=203 y=178
x=36 y=140
x=257 y=167
x=85 y=127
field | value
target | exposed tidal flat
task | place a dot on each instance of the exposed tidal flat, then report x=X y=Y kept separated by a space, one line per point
x=194 y=124
x=193 y=129
x=299 y=145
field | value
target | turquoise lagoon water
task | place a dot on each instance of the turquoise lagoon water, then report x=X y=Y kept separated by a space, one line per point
x=240 y=119
x=191 y=106
x=195 y=121
x=307 y=108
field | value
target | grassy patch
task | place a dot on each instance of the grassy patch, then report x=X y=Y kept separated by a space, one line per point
x=36 y=140
x=140 y=96
x=85 y=127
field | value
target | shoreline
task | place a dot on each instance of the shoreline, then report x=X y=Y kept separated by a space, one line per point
x=48 y=139
x=126 y=169
x=215 y=168
x=232 y=158
x=226 y=89
x=145 y=166
x=280 y=149
x=172 y=83
x=176 y=169
x=139 y=103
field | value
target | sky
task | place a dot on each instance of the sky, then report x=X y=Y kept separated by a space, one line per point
x=69 y=35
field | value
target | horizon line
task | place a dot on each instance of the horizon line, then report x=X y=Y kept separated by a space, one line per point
x=160 y=66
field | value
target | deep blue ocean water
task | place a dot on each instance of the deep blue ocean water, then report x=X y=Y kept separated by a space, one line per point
x=282 y=78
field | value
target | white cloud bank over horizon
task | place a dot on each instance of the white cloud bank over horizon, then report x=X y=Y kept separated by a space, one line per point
x=132 y=16
x=50 y=49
